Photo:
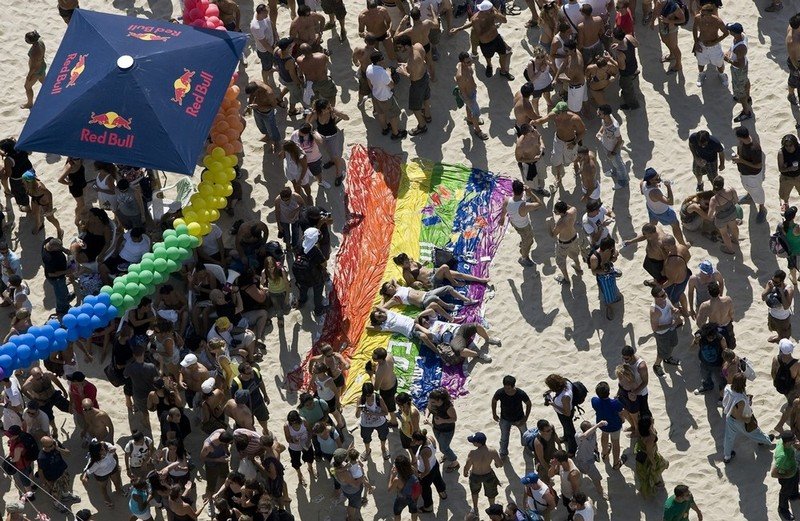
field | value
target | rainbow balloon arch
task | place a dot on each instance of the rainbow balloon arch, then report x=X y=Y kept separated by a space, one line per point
x=96 y=312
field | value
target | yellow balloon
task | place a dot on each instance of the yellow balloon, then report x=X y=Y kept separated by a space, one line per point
x=218 y=153
x=205 y=229
x=178 y=222
x=195 y=229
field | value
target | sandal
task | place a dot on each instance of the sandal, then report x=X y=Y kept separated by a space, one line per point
x=453 y=467
x=725 y=249
x=507 y=75
x=666 y=58
x=443 y=495
x=532 y=23
x=561 y=280
x=416 y=131
x=480 y=134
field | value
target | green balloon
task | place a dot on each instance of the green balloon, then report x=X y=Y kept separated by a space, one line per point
x=132 y=276
x=181 y=229
x=158 y=246
x=173 y=253
x=128 y=301
x=185 y=241
x=161 y=254
x=170 y=242
x=172 y=266
x=168 y=233
x=131 y=289
x=195 y=242
x=117 y=299
x=160 y=264
x=144 y=290
x=134 y=268
x=147 y=265
x=145 y=276
x=119 y=285
x=158 y=277
x=148 y=256
x=106 y=289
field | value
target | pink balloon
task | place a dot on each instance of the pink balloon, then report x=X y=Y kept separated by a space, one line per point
x=199 y=23
x=203 y=4
x=210 y=25
x=220 y=28
x=212 y=10
x=213 y=19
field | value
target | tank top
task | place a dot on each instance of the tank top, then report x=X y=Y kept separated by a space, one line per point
x=325 y=393
x=431 y=459
x=657 y=207
x=537 y=502
x=248 y=302
x=631 y=65
x=517 y=220
x=372 y=414
x=441 y=412
x=789 y=158
x=327 y=129
x=666 y=315
x=22 y=164
x=734 y=45
x=302 y=435
x=563 y=474
x=288 y=208
x=701 y=291
x=78 y=178
x=560 y=54
x=543 y=80
x=548 y=446
x=587 y=512
x=637 y=377
x=405 y=421
x=220 y=450
x=402 y=293
x=779 y=312
x=276 y=286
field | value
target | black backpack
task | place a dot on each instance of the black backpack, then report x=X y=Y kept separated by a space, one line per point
x=31 y=447
x=579 y=393
x=783 y=380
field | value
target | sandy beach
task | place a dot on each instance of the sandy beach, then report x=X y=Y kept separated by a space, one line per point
x=544 y=326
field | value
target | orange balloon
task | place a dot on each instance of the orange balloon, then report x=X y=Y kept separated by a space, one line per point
x=234 y=89
x=220 y=139
x=222 y=126
x=229 y=149
x=226 y=103
x=237 y=147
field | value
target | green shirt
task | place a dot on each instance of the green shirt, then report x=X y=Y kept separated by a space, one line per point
x=675 y=510
x=785 y=460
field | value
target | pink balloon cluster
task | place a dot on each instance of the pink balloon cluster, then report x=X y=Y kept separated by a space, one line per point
x=202 y=14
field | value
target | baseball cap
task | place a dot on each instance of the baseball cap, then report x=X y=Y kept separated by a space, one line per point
x=190 y=359
x=83 y=514
x=529 y=478
x=706 y=267
x=207 y=386
x=560 y=107
x=223 y=323
x=786 y=346
x=486 y=5
x=650 y=173
x=495 y=510
x=735 y=28
x=478 y=437
x=77 y=376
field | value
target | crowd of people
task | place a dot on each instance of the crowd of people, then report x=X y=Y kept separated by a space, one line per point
x=190 y=354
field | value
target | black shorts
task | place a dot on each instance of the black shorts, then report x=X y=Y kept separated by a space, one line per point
x=400 y=504
x=497 y=46
x=334 y=7
x=538 y=93
x=339 y=381
x=76 y=190
x=528 y=171
x=267 y=60
x=105 y=478
x=405 y=441
x=261 y=412
x=794 y=74
x=315 y=167
x=419 y=92
x=298 y=457
x=388 y=397
x=383 y=432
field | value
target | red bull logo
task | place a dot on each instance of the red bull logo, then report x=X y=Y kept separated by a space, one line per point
x=77 y=70
x=199 y=94
x=111 y=121
x=148 y=37
x=182 y=85
x=65 y=72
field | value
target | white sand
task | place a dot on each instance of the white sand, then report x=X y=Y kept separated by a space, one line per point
x=528 y=315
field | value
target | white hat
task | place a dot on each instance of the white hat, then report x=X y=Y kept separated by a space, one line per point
x=189 y=360
x=310 y=238
x=486 y=5
x=786 y=346
x=207 y=386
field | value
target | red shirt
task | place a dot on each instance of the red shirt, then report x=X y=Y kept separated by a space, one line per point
x=76 y=396
x=23 y=462
x=625 y=21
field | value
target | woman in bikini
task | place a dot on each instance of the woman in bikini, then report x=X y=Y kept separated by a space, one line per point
x=722 y=210
x=41 y=204
x=418 y=276
x=396 y=295
x=37 y=68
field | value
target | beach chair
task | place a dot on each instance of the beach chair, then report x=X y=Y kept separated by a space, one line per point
x=161 y=206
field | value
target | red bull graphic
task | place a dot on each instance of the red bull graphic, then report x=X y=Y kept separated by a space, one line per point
x=182 y=85
x=65 y=73
x=149 y=37
x=77 y=70
x=161 y=33
x=199 y=94
x=110 y=120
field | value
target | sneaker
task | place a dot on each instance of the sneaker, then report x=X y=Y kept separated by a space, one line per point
x=485 y=358
x=526 y=261
x=699 y=187
x=700 y=78
x=786 y=515
x=762 y=216
x=742 y=117
x=724 y=79
x=608 y=173
x=729 y=459
x=702 y=390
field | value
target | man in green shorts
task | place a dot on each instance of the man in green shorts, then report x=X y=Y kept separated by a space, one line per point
x=478 y=469
x=784 y=467
x=677 y=506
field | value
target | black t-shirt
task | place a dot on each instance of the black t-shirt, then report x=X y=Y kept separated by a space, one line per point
x=708 y=152
x=121 y=352
x=181 y=429
x=53 y=261
x=52 y=464
x=511 y=406
x=751 y=153
x=311 y=216
x=307 y=267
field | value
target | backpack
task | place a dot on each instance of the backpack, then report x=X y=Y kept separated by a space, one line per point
x=528 y=437
x=413 y=488
x=579 y=393
x=783 y=380
x=31 y=447
x=275 y=250
x=777 y=242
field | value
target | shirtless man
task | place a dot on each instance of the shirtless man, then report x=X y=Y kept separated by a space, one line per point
x=574 y=72
x=718 y=309
x=677 y=273
x=793 y=60
x=385 y=381
x=419 y=89
x=230 y=14
x=484 y=22
x=524 y=112
x=314 y=66
x=590 y=30
x=66 y=8
x=518 y=208
x=698 y=286
x=237 y=410
x=376 y=21
x=654 y=253
x=41 y=386
x=212 y=412
x=262 y=101
x=193 y=377
x=586 y=168
x=478 y=468
x=98 y=423
x=562 y=228
x=307 y=27
x=419 y=32
x=528 y=152
x=708 y=31
x=361 y=59
x=569 y=135
x=288 y=74
x=468 y=91
x=249 y=238
x=335 y=363
x=599 y=76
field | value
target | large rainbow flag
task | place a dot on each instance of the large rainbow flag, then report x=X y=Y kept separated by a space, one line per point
x=407 y=208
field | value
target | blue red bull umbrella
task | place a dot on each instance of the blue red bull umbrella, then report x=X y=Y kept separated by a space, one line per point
x=132 y=91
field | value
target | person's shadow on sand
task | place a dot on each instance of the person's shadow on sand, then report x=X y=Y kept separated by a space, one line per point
x=531 y=292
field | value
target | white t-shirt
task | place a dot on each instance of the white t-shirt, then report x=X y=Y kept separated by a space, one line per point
x=380 y=79
x=397 y=323
x=598 y=7
x=138 y=453
x=210 y=246
x=12 y=396
x=610 y=134
x=105 y=465
x=425 y=11
x=292 y=170
x=590 y=224
x=133 y=251
x=584 y=456
x=573 y=14
x=38 y=422
x=558 y=401
x=262 y=30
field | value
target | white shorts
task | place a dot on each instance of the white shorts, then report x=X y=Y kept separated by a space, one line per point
x=754 y=184
x=710 y=56
x=562 y=154
x=576 y=96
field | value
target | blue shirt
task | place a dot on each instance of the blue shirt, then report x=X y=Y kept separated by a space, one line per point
x=133 y=506
x=608 y=410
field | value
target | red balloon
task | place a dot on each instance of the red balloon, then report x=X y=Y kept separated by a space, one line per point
x=203 y=4
x=196 y=14
x=190 y=4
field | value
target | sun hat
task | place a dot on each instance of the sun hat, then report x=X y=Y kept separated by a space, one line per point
x=650 y=173
x=223 y=323
x=706 y=267
x=560 y=107
x=486 y=5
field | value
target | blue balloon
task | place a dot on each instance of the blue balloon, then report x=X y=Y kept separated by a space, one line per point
x=84 y=320
x=103 y=298
x=5 y=361
x=55 y=324
x=100 y=309
x=9 y=348
x=111 y=312
x=35 y=330
x=42 y=343
x=72 y=334
x=58 y=335
x=89 y=299
x=24 y=353
x=47 y=331
x=59 y=344
x=86 y=308
x=28 y=339
x=96 y=322
x=17 y=340
x=74 y=311
x=69 y=321
x=86 y=331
